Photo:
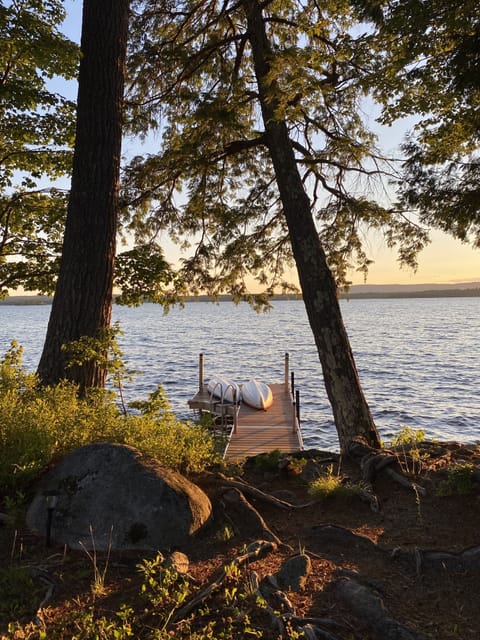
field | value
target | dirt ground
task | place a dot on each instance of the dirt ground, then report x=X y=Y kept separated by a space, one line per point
x=435 y=596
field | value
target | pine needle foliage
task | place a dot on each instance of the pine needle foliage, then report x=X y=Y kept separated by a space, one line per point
x=211 y=185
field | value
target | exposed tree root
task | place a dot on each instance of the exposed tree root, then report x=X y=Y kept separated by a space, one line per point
x=372 y=461
x=45 y=578
x=367 y=606
x=424 y=559
x=248 y=489
x=245 y=519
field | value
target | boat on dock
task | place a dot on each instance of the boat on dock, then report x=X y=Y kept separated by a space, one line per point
x=250 y=431
x=257 y=394
x=225 y=389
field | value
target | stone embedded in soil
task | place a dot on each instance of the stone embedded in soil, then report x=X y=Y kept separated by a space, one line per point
x=294 y=572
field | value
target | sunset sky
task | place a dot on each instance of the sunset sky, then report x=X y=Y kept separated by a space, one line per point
x=445 y=260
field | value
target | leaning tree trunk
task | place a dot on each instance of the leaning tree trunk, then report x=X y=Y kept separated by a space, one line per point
x=350 y=410
x=82 y=303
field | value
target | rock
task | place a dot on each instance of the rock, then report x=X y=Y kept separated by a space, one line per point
x=311 y=471
x=113 y=496
x=368 y=607
x=333 y=540
x=294 y=572
x=177 y=561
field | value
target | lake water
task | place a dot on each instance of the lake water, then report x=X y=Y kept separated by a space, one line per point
x=418 y=359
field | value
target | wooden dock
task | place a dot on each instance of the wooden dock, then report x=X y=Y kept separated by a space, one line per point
x=254 y=431
x=263 y=431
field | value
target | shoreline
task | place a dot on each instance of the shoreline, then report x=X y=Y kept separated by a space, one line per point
x=474 y=292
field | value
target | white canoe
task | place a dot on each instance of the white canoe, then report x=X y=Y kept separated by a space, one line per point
x=257 y=394
x=223 y=388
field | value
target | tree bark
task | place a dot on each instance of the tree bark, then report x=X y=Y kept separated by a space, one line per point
x=82 y=303
x=350 y=410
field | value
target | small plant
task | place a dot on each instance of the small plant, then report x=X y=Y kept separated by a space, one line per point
x=268 y=461
x=232 y=570
x=15 y=507
x=332 y=484
x=408 y=437
x=99 y=574
x=418 y=503
x=459 y=481
x=296 y=465
x=235 y=468
x=225 y=534
x=165 y=589
x=407 y=440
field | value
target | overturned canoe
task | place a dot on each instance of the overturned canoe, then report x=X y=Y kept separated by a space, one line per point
x=224 y=389
x=257 y=394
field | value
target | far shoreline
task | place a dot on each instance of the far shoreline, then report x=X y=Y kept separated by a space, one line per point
x=371 y=292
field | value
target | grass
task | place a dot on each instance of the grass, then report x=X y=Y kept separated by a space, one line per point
x=99 y=573
x=332 y=485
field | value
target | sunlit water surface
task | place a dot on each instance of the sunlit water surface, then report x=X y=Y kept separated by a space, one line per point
x=418 y=359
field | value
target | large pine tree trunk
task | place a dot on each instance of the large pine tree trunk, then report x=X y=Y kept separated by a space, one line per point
x=83 y=297
x=350 y=410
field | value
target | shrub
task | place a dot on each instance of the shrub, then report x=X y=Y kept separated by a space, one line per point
x=234 y=610
x=407 y=440
x=408 y=437
x=40 y=425
x=268 y=461
x=459 y=481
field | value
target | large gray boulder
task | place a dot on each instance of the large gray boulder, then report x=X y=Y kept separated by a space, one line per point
x=113 y=496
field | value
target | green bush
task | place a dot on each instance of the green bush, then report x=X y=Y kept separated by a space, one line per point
x=410 y=457
x=459 y=481
x=408 y=437
x=40 y=425
x=268 y=461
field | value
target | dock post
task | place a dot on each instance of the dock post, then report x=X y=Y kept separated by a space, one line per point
x=297 y=399
x=200 y=373
x=294 y=415
x=235 y=412
x=287 y=357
